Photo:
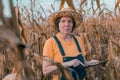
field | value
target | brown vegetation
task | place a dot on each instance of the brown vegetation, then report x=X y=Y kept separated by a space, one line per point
x=21 y=44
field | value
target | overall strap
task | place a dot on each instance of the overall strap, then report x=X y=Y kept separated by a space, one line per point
x=59 y=45
x=76 y=41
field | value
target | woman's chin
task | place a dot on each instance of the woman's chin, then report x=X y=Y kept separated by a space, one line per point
x=67 y=32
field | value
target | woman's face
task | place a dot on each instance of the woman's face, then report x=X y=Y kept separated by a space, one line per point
x=65 y=25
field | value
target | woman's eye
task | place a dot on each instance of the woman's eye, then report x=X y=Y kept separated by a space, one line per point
x=62 y=21
x=70 y=21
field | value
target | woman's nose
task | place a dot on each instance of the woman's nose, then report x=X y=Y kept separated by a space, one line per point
x=67 y=24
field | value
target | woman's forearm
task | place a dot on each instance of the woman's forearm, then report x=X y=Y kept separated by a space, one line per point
x=50 y=70
x=68 y=64
x=91 y=62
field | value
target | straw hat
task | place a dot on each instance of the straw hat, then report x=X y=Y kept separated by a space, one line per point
x=65 y=12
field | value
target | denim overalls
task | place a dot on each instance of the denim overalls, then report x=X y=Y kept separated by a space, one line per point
x=78 y=73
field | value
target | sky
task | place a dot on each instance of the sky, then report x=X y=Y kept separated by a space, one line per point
x=46 y=4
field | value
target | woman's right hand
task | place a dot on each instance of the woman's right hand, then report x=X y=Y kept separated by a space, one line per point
x=73 y=63
x=77 y=62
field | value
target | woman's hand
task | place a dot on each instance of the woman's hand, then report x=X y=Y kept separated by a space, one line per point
x=77 y=62
x=93 y=62
x=73 y=63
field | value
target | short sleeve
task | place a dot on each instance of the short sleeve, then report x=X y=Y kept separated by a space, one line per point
x=48 y=48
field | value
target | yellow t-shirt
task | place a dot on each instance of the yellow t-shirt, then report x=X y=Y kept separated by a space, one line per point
x=51 y=49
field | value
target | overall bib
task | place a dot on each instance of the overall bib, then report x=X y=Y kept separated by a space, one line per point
x=78 y=73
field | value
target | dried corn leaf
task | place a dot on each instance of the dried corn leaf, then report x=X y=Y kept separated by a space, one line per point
x=65 y=73
x=117 y=4
x=110 y=50
x=82 y=2
x=86 y=42
x=69 y=3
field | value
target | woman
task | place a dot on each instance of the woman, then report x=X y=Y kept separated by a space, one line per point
x=65 y=47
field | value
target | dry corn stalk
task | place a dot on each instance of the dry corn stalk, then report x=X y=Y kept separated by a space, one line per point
x=10 y=38
x=98 y=3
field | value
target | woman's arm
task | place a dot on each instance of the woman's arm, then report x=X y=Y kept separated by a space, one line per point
x=48 y=66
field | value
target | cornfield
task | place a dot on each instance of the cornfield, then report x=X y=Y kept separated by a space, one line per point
x=22 y=38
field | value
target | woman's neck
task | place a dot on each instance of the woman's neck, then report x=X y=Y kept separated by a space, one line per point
x=66 y=37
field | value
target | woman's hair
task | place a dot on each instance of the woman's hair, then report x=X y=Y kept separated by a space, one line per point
x=57 y=24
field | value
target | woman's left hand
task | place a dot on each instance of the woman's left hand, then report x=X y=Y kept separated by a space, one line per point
x=93 y=62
